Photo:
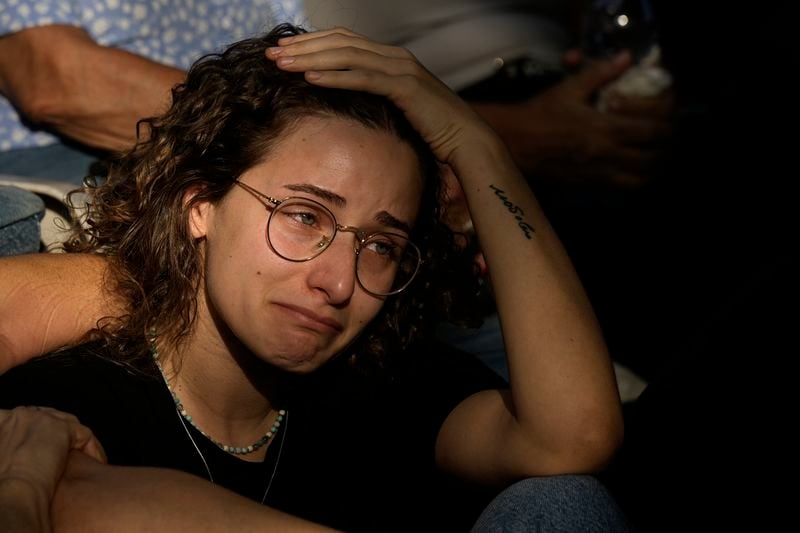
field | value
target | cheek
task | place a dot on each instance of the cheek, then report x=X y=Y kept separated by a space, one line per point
x=235 y=268
x=236 y=244
x=364 y=309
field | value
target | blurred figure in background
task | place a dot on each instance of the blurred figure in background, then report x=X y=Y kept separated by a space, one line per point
x=75 y=77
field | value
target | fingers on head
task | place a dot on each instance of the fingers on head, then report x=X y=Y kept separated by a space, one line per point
x=338 y=38
x=338 y=30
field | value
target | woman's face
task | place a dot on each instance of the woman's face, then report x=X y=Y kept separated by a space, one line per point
x=296 y=316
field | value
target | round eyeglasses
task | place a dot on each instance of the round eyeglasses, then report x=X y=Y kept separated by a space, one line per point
x=299 y=229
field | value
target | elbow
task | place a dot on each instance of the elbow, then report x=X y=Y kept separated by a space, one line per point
x=43 y=105
x=597 y=437
x=586 y=450
x=597 y=440
x=54 y=81
x=594 y=449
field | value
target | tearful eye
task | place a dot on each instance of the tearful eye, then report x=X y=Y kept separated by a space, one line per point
x=385 y=248
x=381 y=247
x=301 y=217
x=308 y=219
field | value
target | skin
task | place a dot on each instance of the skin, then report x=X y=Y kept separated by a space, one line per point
x=320 y=300
x=561 y=413
x=29 y=436
x=257 y=307
x=46 y=303
x=95 y=95
x=90 y=93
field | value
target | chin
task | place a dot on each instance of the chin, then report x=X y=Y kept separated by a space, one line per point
x=298 y=362
x=297 y=367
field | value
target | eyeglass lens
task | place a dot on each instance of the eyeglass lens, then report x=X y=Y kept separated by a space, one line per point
x=299 y=230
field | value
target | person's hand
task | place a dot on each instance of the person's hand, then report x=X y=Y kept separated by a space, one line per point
x=560 y=134
x=35 y=443
x=339 y=58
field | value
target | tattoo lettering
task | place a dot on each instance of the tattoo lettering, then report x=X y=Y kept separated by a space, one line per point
x=515 y=210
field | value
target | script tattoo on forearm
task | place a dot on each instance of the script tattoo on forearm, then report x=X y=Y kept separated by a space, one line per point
x=515 y=210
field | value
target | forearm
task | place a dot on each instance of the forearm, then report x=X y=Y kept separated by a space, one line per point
x=563 y=413
x=94 y=497
x=48 y=301
x=90 y=93
x=562 y=383
x=22 y=509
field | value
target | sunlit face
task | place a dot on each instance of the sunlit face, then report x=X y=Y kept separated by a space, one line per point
x=296 y=316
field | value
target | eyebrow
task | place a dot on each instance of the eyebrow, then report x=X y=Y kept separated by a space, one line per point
x=335 y=199
x=387 y=219
x=384 y=217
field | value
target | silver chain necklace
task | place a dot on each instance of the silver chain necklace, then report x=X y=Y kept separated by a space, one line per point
x=283 y=417
x=234 y=450
x=208 y=470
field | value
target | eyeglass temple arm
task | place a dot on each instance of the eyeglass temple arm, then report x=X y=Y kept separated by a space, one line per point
x=260 y=196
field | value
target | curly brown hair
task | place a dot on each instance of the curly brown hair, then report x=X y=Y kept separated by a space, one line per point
x=224 y=119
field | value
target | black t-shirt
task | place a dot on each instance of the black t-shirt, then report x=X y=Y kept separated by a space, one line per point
x=354 y=452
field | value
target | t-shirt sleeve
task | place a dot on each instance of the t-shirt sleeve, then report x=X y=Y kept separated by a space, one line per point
x=49 y=381
x=441 y=377
x=17 y=15
x=125 y=411
x=78 y=381
x=17 y=387
x=437 y=378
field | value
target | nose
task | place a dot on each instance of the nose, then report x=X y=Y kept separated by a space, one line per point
x=334 y=271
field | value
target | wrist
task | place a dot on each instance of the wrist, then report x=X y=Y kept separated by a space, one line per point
x=481 y=154
x=23 y=507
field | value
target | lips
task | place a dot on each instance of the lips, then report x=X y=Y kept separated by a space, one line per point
x=310 y=319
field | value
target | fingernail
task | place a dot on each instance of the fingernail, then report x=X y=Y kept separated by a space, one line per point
x=284 y=61
x=285 y=40
x=274 y=51
x=313 y=75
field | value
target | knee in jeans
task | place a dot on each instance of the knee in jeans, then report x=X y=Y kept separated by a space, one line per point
x=553 y=503
x=20 y=213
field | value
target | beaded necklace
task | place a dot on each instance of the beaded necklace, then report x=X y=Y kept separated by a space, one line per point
x=235 y=450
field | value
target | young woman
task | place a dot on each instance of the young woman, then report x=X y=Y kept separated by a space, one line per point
x=274 y=254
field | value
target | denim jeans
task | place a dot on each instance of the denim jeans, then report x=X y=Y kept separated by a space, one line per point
x=553 y=504
x=20 y=213
x=57 y=162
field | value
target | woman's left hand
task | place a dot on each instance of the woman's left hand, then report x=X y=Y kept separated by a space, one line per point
x=341 y=59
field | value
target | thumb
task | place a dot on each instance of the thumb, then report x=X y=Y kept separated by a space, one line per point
x=599 y=72
x=84 y=440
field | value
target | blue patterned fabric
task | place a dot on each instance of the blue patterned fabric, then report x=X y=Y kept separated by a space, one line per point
x=172 y=32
